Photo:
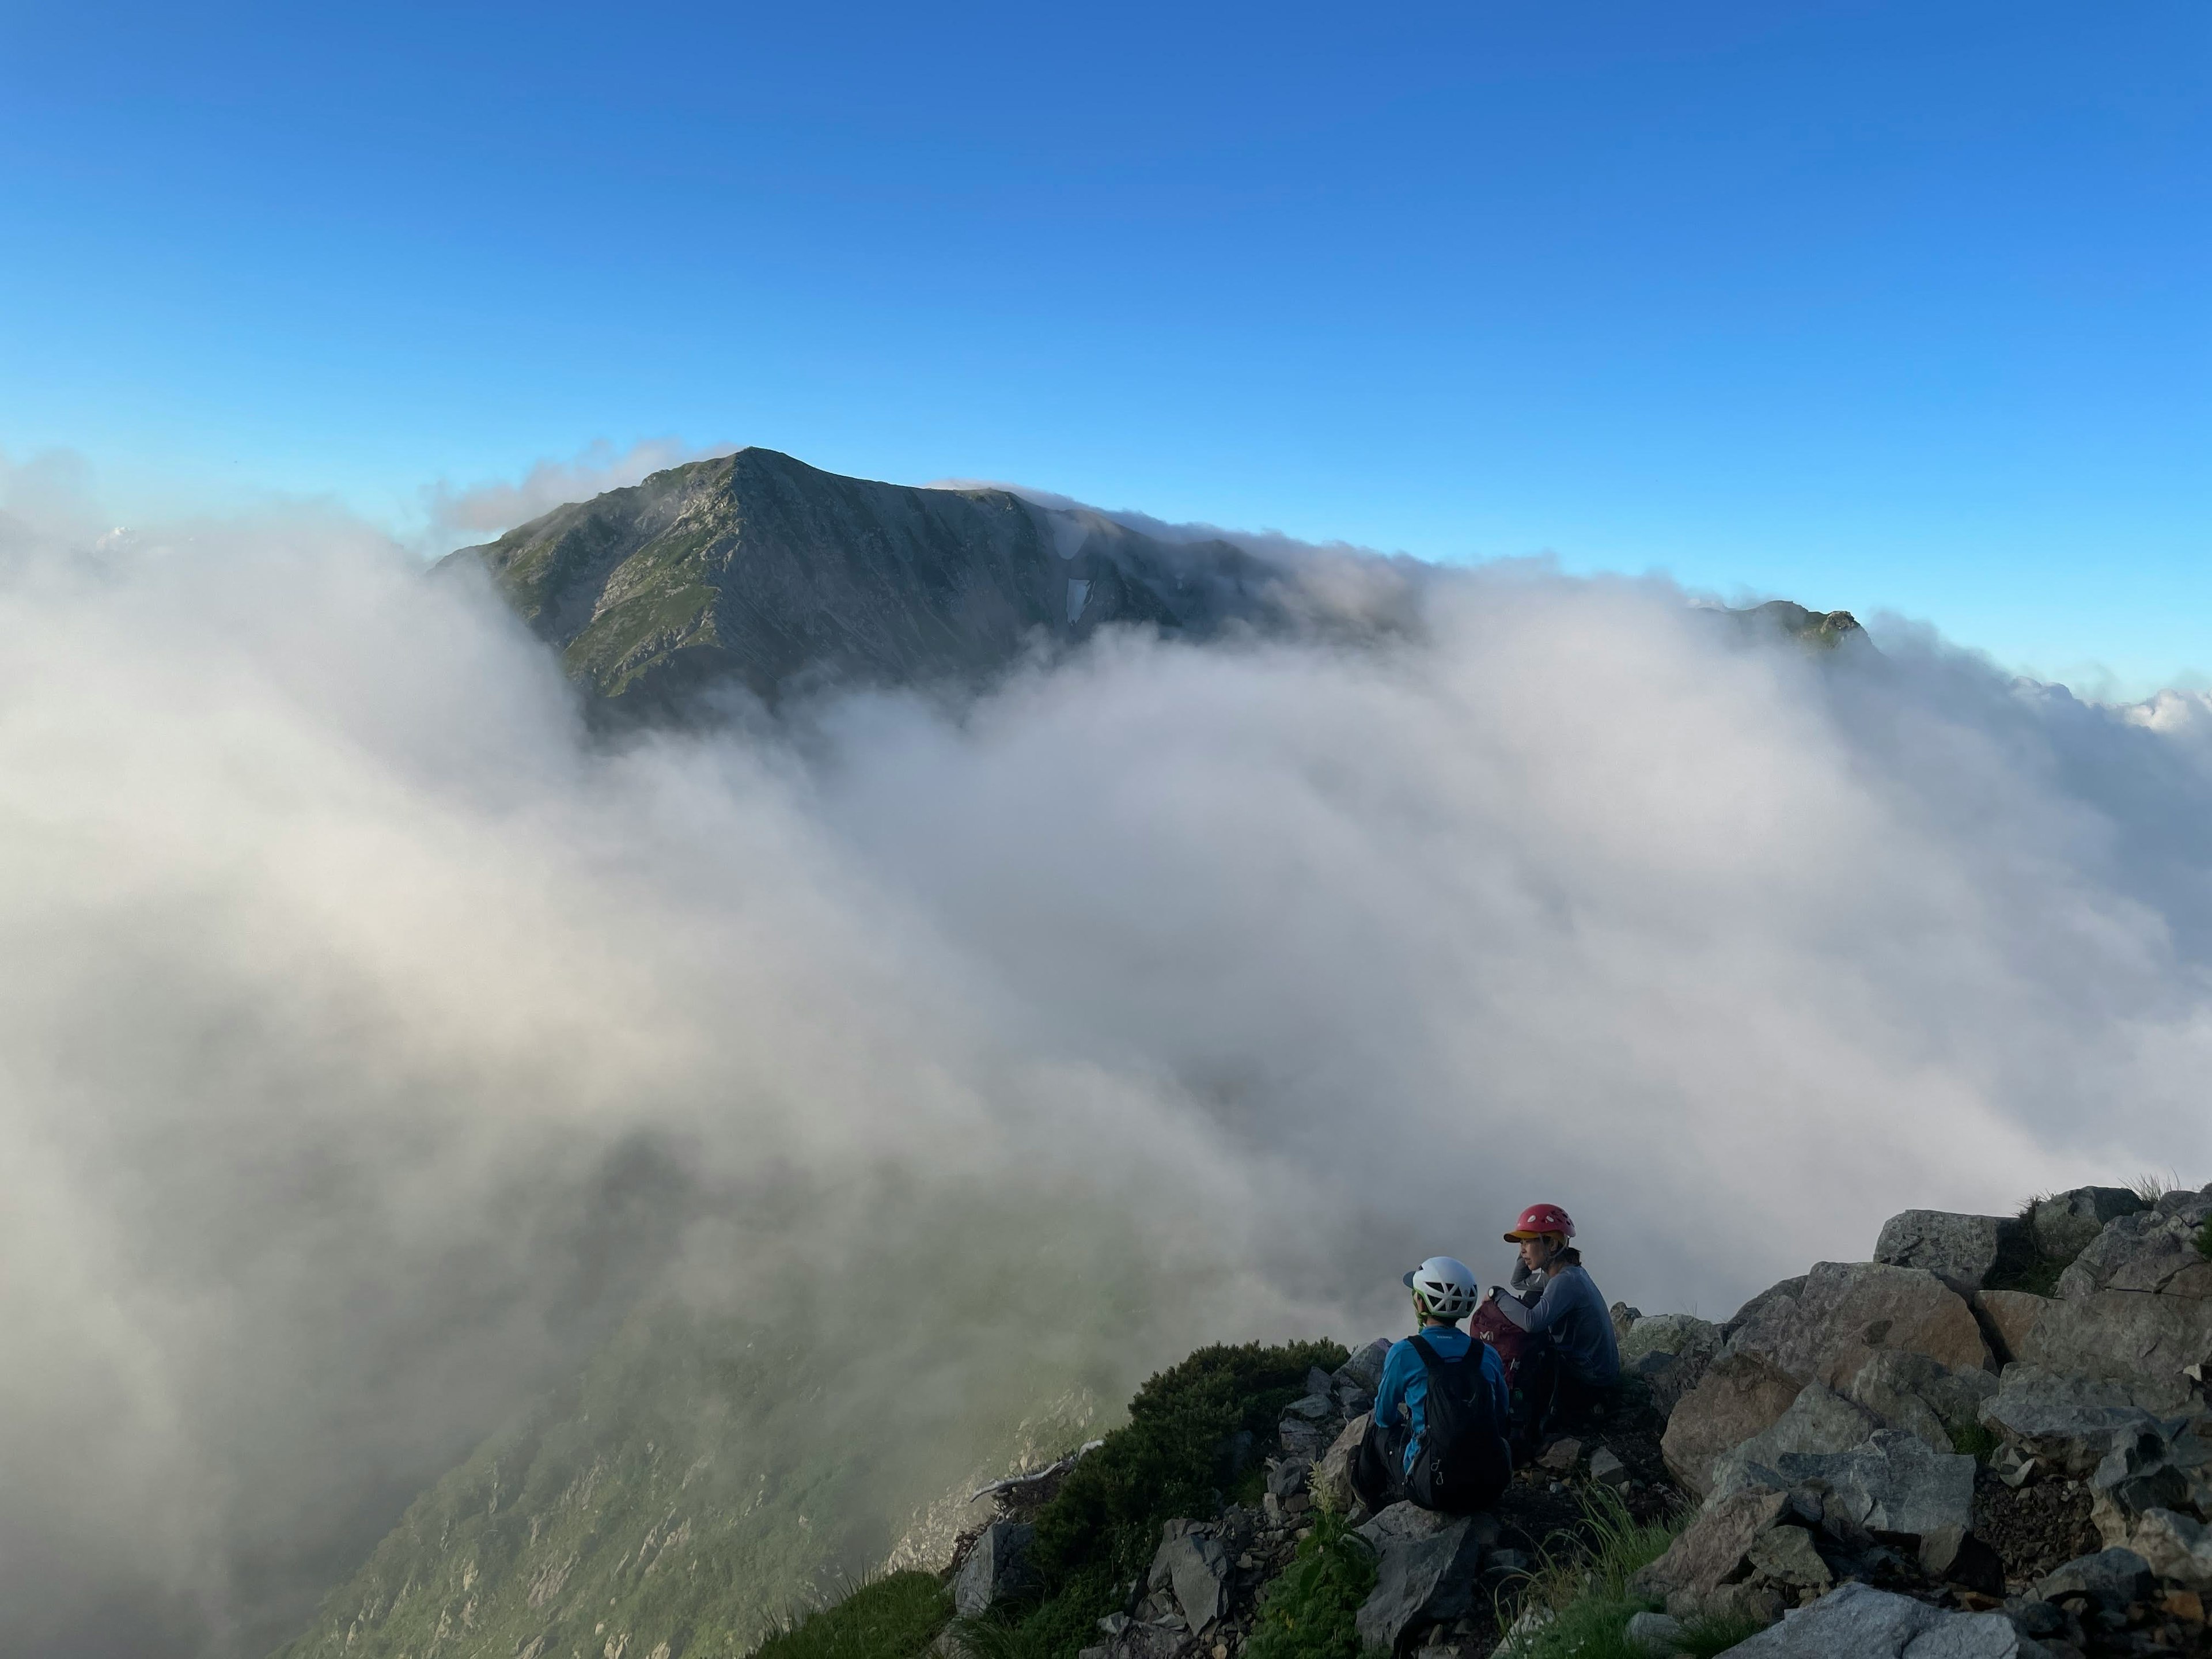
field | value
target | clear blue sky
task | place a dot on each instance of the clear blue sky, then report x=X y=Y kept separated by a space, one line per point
x=1869 y=304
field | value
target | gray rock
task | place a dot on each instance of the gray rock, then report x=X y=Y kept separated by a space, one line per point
x=1740 y=1396
x=2156 y=1255
x=1607 y=1468
x=1785 y=1556
x=1818 y=1421
x=2147 y=1341
x=1713 y=1549
x=1655 y=1632
x=2066 y=1423
x=2110 y=1578
x=1847 y=1312
x=1289 y=1476
x=1420 y=1580
x=2193 y=1207
x=1365 y=1368
x=2064 y=1226
x=1962 y=1250
x=1894 y=1482
x=2011 y=1317
x=1856 y=1621
x=1399 y=1522
x=997 y=1567
x=1912 y=1392
x=2175 y=1547
x=1192 y=1563
x=1314 y=1407
x=1331 y=1481
x=1670 y=1353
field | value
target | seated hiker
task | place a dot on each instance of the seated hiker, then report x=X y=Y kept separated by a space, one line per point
x=1553 y=1298
x=1437 y=1437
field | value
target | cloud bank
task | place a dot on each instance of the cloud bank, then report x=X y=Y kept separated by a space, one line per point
x=489 y=507
x=368 y=1039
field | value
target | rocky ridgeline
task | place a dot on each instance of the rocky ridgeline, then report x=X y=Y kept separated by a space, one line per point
x=1991 y=1442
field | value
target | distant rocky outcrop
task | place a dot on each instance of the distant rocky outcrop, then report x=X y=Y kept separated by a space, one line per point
x=757 y=572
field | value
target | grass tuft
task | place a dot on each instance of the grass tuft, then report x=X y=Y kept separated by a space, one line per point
x=1972 y=1440
x=2152 y=1188
x=2204 y=1239
x=895 y=1617
x=1583 y=1580
x=1309 y=1612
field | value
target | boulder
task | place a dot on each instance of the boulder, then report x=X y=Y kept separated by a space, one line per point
x=1740 y=1396
x=2147 y=1341
x=997 y=1567
x=2175 y=1547
x=1288 y=1477
x=1962 y=1250
x=1399 y=1522
x=1856 y=1621
x=1714 y=1548
x=1624 y=1317
x=1331 y=1481
x=1790 y=1288
x=1654 y=1633
x=1192 y=1563
x=2158 y=1466
x=1785 y=1556
x=1818 y=1421
x=1847 y=1312
x=2110 y=1578
x=1607 y=1469
x=1895 y=1483
x=2063 y=1226
x=1676 y=1334
x=1428 y=1579
x=2148 y=1252
x=1912 y=1392
x=2066 y=1423
x=1363 y=1371
x=2194 y=1207
x=2011 y=1316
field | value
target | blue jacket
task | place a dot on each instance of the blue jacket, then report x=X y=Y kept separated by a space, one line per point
x=1406 y=1381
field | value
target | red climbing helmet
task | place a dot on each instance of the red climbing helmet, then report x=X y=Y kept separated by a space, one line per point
x=1539 y=1219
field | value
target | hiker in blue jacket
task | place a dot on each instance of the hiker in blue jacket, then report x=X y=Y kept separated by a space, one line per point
x=1402 y=1455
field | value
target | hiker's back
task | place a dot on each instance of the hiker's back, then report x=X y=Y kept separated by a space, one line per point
x=1462 y=1463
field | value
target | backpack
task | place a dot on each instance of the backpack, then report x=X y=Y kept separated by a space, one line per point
x=1463 y=1463
x=1520 y=1356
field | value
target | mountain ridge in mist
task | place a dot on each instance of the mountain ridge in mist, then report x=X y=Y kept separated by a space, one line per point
x=755 y=570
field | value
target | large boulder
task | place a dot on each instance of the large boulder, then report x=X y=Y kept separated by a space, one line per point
x=1962 y=1250
x=2194 y=1207
x=2147 y=1341
x=1894 y=1482
x=1670 y=1352
x=2110 y=1578
x=1363 y=1371
x=2065 y=1422
x=2010 y=1316
x=2148 y=1252
x=1791 y=1288
x=1714 y=1548
x=1420 y=1579
x=1192 y=1563
x=1910 y=1391
x=997 y=1567
x=1818 y=1421
x=1740 y=1396
x=2063 y=1226
x=1856 y=1621
x=2151 y=1466
x=1847 y=1312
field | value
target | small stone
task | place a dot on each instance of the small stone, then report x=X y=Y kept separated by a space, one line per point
x=2187 y=1606
x=1607 y=1468
x=1654 y=1632
x=1562 y=1455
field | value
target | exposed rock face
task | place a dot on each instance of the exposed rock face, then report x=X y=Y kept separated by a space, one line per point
x=1818 y=1421
x=1422 y=1576
x=2145 y=1252
x=1741 y=1396
x=1331 y=1481
x=2064 y=1226
x=2142 y=1340
x=2013 y=1315
x=1962 y=1250
x=1858 y=1622
x=2110 y=1578
x=1193 y=1563
x=2065 y=1422
x=1848 y=1312
x=1894 y=1483
x=1910 y=1391
x=1714 y=1549
x=997 y=1568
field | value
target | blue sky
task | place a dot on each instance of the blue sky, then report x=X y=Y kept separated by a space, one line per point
x=1870 y=305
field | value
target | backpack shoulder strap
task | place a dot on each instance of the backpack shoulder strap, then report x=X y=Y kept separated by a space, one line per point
x=1430 y=1358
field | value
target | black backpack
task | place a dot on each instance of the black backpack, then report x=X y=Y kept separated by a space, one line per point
x=1463 y=1463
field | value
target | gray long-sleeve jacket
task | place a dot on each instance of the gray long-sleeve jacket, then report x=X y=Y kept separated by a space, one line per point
x=1572 y=1313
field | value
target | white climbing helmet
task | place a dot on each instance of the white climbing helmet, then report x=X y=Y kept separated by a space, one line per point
x=1445 y=1287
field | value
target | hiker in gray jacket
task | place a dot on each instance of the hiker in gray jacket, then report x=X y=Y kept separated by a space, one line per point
x=1553 y=1297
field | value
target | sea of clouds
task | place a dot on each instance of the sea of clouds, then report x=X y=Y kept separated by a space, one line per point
x=370 y=1035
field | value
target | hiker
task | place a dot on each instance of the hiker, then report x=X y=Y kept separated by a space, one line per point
x=1553 y=1298
x=1447 y=1451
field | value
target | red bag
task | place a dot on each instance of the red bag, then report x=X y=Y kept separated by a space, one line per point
x=1506 y=1339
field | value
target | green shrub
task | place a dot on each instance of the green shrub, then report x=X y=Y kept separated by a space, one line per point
x=1704 y=1638
x=2204 y=1239
x=1196 y=1434
x=893 y=1618
x=1307 y=1612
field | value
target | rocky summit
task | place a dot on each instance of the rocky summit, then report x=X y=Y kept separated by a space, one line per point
x=1991 y=1441
x=757 y=572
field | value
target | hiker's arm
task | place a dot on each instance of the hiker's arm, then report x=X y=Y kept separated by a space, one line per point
x=1390 y=1392
x=1515 y=1310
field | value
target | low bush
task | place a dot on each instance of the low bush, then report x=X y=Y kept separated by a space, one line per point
x=1308 y=1613
x=1972 y=1440
x=1196 y=1435
x=895 y=1617
x=2204 y=1239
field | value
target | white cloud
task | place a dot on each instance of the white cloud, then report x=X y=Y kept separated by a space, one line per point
x=494 y=505
x=344 y=973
